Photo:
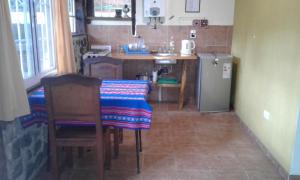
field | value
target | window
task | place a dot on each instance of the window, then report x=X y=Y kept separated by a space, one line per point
x=33 y=33
x=107 y=8
x=72 y=15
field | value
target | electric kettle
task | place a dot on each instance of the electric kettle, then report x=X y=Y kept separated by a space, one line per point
x=187 y=46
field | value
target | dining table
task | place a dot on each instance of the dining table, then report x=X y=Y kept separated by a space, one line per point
x=123 y=104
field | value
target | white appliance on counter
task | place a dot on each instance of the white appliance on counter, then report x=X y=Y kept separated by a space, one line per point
x=97 y=51
x=187 y=47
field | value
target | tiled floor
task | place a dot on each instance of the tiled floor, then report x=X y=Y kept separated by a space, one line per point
x=184 y=145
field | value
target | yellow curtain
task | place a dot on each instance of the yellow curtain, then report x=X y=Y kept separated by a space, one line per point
x=13 y=96
x=63 y=38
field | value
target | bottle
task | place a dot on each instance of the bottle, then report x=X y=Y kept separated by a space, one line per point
x=140 y=43
x=172 y=45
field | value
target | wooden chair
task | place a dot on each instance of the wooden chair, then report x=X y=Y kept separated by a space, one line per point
x=106 y=68
x=74 y=99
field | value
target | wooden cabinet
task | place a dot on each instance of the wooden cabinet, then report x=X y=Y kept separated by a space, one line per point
x=104 y=68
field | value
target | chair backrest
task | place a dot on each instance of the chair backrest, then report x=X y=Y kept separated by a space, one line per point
x=72 y=98
x=104 y=68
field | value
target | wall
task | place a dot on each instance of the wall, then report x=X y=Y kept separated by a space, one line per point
x=3 y=171
x=218 y=12
x=266 y=40
x=24 y=150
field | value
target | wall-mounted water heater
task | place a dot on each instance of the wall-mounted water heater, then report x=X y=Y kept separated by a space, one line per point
x=154 y=8
x=155 y=11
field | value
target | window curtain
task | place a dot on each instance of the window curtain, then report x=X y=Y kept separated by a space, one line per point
x=63 y=38
x=13 y=96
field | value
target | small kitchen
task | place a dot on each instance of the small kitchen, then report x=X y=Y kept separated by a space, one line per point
x=205 y=28
x=148 y=89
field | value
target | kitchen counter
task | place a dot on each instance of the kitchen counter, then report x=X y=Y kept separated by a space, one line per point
x=151 y=57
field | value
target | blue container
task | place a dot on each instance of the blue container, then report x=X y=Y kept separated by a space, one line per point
x=137 y=51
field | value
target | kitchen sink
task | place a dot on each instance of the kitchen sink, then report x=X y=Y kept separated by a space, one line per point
x=165 y=54
x=160 y=58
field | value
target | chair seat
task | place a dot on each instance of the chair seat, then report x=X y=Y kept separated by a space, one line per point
x=76 y=132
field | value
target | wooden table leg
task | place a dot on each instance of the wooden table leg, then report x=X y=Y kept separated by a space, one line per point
x=183 y=84
x=140 y=139
x=116 y=142
x=137 y=146
x=121 y=135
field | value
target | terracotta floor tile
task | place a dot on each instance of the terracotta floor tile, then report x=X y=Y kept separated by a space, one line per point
x=227 y=175
x=84 y=175
x=191 y=149
x=168 y=175
x=183 y=145
x=226 y=164
x=191 y=162
x=159 y=162
x=195 y=175
x=122 y=175
x=167 y=149
x=126 y=162
x=255 y=175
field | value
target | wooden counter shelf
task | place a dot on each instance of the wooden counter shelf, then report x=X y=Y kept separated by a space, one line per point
x=152 y=57
x=167 y=85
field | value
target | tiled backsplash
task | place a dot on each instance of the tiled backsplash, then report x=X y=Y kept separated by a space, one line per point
x=211 y=39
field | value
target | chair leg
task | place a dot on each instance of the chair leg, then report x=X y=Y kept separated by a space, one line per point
x=107 y=148
x=116 y=142
x=99 y=149
x=80 y=152
x=69 y=156
x=48 y=153
x=54 y=162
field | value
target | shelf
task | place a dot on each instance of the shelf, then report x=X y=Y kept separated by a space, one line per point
x=168 y=85
x=108 y=18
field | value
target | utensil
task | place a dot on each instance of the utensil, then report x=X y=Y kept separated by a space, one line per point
x=154 y=76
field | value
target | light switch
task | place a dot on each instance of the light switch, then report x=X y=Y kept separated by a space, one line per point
x=193 y=34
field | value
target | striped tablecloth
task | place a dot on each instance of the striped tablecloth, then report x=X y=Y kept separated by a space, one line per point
x=123 y=104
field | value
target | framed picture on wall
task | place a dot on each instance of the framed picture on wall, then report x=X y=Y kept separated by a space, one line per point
x=192 y=6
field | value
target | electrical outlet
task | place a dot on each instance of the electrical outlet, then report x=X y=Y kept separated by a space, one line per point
x=193 y=34
x=267 y=115
x=204 y=22
x=197 y=23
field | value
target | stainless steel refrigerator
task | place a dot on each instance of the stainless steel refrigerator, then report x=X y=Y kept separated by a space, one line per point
x=214 y=82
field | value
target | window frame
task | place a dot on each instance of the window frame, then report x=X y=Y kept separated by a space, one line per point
x=38 y=74
x=73 y=16
x=110 y=18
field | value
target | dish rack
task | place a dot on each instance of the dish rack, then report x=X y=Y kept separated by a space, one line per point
x=135 y=51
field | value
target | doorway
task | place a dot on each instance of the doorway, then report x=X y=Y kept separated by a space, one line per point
x=295 y=167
